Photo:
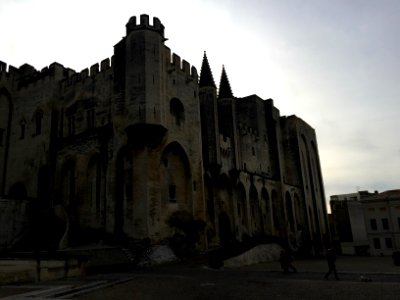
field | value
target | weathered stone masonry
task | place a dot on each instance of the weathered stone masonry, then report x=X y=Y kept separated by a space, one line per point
x=117 y=148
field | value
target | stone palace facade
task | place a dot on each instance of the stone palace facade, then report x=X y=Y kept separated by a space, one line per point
x=117 y=148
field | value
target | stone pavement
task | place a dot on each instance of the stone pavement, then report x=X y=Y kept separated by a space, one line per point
x=256 y=279
x=344 y=265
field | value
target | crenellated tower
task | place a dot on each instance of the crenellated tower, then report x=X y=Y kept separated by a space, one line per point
x=138 y=87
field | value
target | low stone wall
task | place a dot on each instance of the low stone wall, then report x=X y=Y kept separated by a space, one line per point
x=21 y=271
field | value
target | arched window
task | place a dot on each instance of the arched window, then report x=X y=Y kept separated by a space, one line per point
x=176 y=175
x=177 y=110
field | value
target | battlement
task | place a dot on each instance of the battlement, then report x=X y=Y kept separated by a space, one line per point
x=9 y=70
x=4 y=71
x=174 y=63
x=144 y=24
x=27 y=74
x=97 y=68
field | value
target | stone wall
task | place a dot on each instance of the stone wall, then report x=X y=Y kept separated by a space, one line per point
x=14 y=221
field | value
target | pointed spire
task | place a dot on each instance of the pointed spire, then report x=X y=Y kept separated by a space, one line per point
x=225 y=90
x=206 y=78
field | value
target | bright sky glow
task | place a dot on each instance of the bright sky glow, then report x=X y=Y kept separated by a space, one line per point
x=335 y=64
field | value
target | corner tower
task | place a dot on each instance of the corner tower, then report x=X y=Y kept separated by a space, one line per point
x=138 y=78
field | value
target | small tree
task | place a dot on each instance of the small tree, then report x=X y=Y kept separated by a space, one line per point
x=187 y=232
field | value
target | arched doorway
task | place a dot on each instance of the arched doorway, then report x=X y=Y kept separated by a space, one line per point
x=176 y=178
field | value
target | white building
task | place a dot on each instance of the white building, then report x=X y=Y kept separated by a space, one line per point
x=367 y=222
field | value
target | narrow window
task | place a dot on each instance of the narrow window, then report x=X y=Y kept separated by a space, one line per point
x=22 y=126
x=385 y=224
x=172 y=193
x=377 y=243
x=38 y=122
x=90 y=118
x=373 y=224
x=177 y=111
x=71 y=125
x=253 y=151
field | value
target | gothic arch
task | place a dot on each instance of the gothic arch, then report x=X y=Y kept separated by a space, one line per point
x=224 y=193
x=289 y=211
x=255 y=209
x=241 y=207
x=176 y=176
x=300 y=211
x=266 y=210
x=277 y=212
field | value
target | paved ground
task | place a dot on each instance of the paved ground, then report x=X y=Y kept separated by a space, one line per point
x=261 y=281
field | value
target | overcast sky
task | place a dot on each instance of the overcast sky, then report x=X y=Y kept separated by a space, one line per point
x=335 y=64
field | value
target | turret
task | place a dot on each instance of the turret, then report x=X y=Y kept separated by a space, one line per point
x=144 y=24
x=227 y=114
x=206 y=77
x=225 y=90
x=209 y=115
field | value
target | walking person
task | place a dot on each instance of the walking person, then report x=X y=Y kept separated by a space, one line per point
x=331 y=259
x=286 y=262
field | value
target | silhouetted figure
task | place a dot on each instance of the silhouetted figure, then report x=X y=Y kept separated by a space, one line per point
x=331 y=258
x=286 y=262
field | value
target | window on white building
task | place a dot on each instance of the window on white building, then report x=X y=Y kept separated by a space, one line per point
x=385 y=224
x=388 y=242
